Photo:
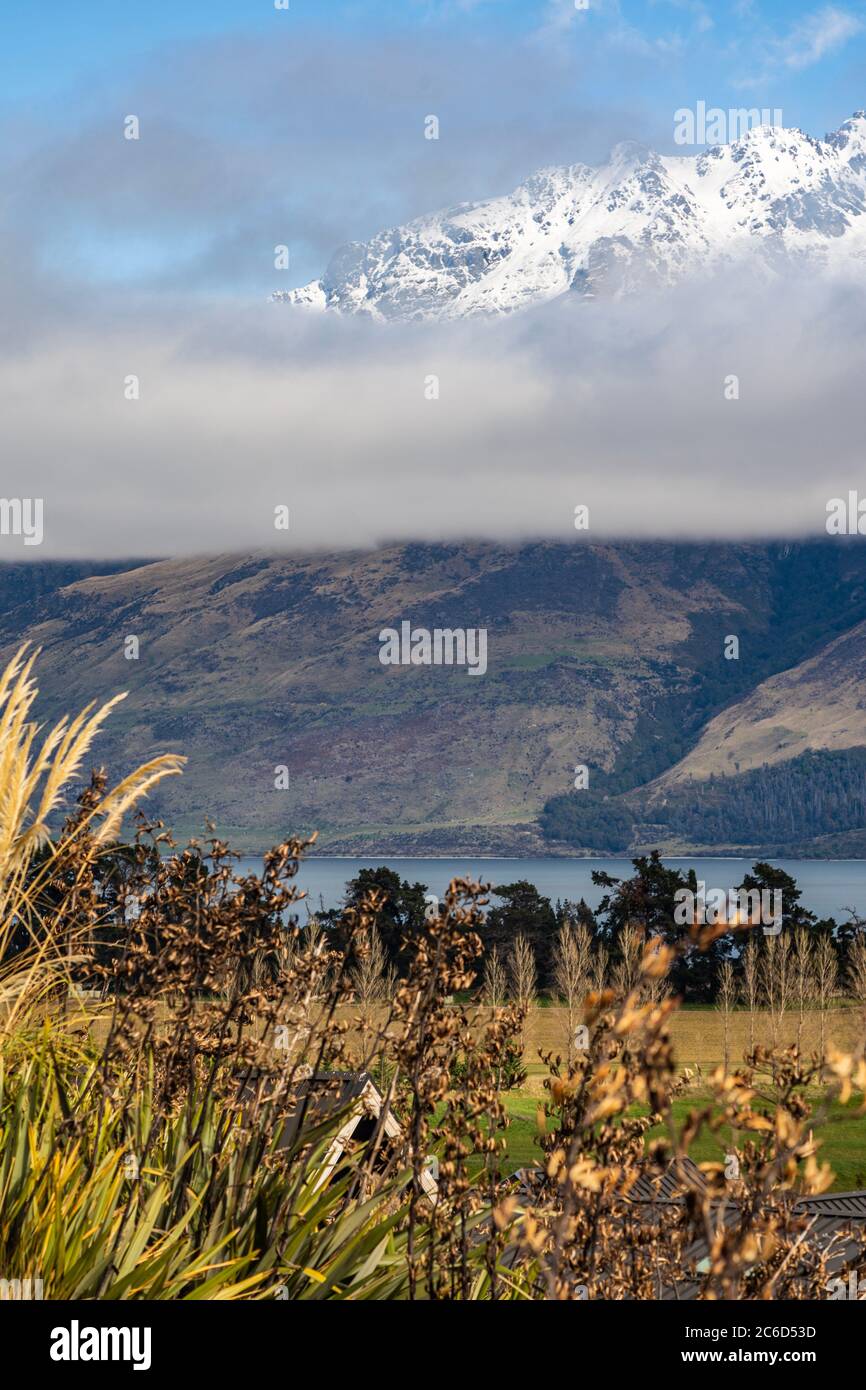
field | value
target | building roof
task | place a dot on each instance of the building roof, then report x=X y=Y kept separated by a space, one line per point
x=834 y=1224
x=681 y=1175
x=311 y=1099
x=835 y=1204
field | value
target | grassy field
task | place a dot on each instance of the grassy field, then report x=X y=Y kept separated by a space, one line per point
x=698 y=1037
x=698 y=1033
x=842 y=1136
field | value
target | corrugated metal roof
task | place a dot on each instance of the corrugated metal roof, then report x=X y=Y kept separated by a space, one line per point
x=837 y=1236
x=681 y=1176
x=835 y=1204
x=834 y=1225
x=308 y=1100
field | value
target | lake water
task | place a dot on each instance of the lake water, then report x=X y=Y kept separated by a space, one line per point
x=829 y=886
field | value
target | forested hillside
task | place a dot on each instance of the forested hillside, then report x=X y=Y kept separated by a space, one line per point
x=819 y=793
x=607 y=656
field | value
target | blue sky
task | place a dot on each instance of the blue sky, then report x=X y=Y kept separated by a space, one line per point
x=807 y=54
x=303 y=126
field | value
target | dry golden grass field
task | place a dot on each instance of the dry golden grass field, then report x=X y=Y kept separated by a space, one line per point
x=698 y=1033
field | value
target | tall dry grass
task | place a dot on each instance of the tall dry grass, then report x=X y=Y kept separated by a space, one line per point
x=36 y=770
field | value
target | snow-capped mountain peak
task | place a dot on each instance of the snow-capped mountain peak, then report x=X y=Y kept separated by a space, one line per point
x=642 y=218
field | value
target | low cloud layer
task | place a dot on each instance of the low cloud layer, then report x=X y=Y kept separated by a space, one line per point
x=618 y=406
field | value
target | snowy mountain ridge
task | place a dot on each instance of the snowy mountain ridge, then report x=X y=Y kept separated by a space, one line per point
x=642 y=219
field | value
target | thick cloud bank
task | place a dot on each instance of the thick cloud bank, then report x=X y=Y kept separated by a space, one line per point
x=625 y=408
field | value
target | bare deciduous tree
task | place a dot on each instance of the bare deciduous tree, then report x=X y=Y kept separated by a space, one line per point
x=777 y=979
x=599 y=969
x=522 y=973
x=494 y=987
x=656 y=985
x=751 y=987
x=627 y=972
x=726 y=998
x=372 y=981
x=572 y=962
x=522 y=980
x=803 y=970
x=826 y=979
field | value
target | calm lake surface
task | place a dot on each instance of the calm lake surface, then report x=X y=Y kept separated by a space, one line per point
x=829 y=886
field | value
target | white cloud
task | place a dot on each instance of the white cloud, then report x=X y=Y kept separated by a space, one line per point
x=814 y=37
x=620 y=406
x=818 y=35
x=614 y=34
